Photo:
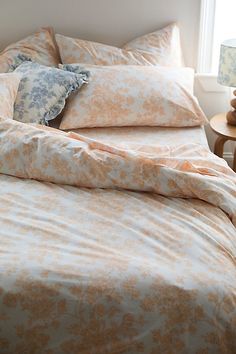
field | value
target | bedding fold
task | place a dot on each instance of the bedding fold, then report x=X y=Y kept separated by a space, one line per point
x=112 y=270
x=185 y=171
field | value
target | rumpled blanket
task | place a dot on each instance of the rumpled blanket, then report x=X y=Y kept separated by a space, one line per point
x=106 y=250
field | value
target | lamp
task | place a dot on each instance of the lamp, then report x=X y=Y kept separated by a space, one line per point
x=227 y=73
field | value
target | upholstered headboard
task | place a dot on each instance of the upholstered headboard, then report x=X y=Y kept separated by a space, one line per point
x=109 y=21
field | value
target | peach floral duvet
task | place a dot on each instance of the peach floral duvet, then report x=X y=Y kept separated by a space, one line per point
x=107 y=250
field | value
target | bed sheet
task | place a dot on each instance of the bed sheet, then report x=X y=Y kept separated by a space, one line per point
x=146 y=135
x=114 y=270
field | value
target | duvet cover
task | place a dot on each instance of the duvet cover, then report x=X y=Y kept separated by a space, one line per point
x=107 y=250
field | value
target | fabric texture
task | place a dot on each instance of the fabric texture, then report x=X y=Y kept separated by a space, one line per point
x=102 y=271
x=40 y=47
x=43 y=91
x=8 y=90
x=161 y=47
x=18 y=60
x=145 y=136
x=125 y=95
x=142 y=171
x=164 y=44
x=227 y=66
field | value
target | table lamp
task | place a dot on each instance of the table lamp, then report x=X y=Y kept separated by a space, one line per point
x=227 y=73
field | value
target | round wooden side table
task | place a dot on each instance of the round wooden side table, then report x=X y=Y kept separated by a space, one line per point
x=225 y=132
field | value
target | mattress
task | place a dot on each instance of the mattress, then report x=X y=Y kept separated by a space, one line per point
x=135 y=262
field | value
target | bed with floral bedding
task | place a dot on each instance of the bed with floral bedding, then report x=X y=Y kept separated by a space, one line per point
x=109 y=249
x=118 y=232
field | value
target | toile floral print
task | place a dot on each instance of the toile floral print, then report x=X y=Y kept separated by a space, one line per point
x=8 y=90
x=43 y=92
x=227 y=64
x=17 y=61
x=109 y=250
x=131 y=95
x=157 y=48
x=149 y=136
x=39 y=47
x=164 y=44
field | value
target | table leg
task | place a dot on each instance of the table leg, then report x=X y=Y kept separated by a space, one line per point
x=234 y=165
x=219 y=146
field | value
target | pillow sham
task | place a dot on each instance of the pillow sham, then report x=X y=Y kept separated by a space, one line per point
x=40 y=47
x=164 y=44
x=43 y=91
x=8 y=90
x=160 y=47
x=126 y=95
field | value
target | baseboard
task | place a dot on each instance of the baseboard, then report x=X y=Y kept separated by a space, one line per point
x=229 y=157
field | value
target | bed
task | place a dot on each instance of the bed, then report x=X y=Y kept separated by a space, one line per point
x=113 y=239
x=89 y=270
x=147 y=136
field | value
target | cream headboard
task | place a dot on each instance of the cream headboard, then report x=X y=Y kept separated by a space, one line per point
x=108 y=21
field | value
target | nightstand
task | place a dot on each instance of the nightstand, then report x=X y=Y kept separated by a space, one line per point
x=225 y=132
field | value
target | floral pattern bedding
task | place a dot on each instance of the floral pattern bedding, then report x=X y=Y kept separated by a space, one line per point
x=132 y=95
x=114 y=250
x=161 y=47
x=43 y=92
x=40 y=47
x=133 y=137
x=9 y=84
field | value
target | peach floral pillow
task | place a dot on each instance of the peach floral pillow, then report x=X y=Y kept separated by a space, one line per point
x=40 y=47
x=160 y=47
x=125 y=95
x=8 y=90
x=163 y=44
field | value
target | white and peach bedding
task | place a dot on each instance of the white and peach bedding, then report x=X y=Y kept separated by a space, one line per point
x=40 y=47
x=145 y=136
x=9 y=84
x=117 y=269
x=161 y=47
x=132 y=95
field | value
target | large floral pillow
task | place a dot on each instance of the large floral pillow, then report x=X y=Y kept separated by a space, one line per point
x=125 y=95
x=43 y=91
x=40 y=47
x=161 y=47
x=164 y=45
x=8 y=90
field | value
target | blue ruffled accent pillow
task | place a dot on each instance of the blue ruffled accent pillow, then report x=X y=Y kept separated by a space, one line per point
x=18 y=60
x=75 y=68
x=43 y=91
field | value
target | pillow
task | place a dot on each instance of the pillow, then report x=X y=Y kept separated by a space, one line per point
x=8 y=90
x=163 y=44
x=160 y=47
x=42 y=92
x=40 y=47
x=126 y=95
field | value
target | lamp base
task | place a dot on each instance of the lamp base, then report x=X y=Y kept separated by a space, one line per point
x=231 y=115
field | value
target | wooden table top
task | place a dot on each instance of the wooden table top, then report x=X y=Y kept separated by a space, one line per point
x=219 y=124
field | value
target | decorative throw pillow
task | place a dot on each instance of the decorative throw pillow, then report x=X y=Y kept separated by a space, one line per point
x=42 y=92
x=8 y=90
x=40 y=47
x=126 y=95
x=160 y=47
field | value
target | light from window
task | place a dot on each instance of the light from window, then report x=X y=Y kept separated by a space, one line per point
x=224 y=28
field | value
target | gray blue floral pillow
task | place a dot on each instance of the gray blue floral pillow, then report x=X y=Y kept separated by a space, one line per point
x=43 y=91
x=75 y=68
x=18 y=60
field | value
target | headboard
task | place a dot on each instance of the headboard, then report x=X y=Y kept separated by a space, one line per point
x=109 y=21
